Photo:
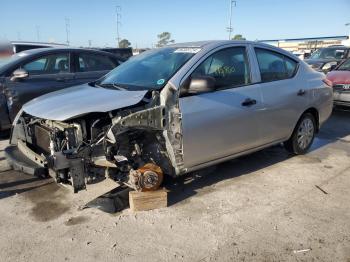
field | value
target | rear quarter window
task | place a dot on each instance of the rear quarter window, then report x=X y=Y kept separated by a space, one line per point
x=291 y=66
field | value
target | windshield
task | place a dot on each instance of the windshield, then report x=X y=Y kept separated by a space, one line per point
x=328 y=53
x=345 y=66
x=149 y=70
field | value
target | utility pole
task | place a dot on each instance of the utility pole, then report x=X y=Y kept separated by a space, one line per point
x=18 y=36
x=230 y=28
x=37 y=33
x=118 y=17
x=348 y=24
x=90 y=43
x=67 y=21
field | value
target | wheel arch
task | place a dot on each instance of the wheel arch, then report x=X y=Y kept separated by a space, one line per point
x=314 y=112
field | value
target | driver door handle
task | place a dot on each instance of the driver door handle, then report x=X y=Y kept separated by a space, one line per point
x=301 y=92
x=249 y=102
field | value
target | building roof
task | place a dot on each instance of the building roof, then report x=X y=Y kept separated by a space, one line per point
x=342 y=37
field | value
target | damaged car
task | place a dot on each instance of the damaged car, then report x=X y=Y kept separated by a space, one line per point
x=36 y=72
x=171 y=111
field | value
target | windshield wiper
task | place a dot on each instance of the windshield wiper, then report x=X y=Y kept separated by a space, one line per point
x=118 y=87
x=110 y=85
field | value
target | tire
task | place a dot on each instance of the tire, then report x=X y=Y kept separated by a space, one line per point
x=303 y=135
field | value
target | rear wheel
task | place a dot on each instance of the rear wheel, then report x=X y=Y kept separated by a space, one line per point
x=303 y=135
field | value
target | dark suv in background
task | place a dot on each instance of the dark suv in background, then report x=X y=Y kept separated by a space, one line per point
x=326 y=59
x=35 y=72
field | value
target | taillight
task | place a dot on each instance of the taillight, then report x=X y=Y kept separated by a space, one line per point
x=327 y=82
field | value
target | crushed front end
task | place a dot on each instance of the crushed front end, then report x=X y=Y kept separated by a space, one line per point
x=130 y=146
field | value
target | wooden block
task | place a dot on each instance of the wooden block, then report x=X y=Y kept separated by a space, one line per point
x=141 y=201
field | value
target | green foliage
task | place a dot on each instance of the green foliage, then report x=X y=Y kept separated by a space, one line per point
x=124 y=43
x=238 y=37
x=164 y=39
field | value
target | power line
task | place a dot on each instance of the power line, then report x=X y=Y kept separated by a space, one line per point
x=37 y=33
x=230 y=28
x=67 y=21
x=118 y=15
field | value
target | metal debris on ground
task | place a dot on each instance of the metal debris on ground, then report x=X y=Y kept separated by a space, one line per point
x=323 y=191
x=302 y=250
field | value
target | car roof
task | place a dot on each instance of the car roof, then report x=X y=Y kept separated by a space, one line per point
x=201 y=44
x=211 y=44
x=218 y=43
x=53 y=49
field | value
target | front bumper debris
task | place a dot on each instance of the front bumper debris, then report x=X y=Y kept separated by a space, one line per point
x=22 y=158
x=18 y=159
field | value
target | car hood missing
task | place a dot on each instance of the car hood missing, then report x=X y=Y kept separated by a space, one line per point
x=79 y=100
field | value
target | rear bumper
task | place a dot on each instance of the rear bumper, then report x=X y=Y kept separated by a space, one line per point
x=21 y=158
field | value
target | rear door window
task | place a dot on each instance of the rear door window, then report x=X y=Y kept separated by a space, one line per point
x=94 y=62
x=274 y=66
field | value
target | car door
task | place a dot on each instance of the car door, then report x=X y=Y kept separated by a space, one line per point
x=221 y=123
x=46 y=73
x=90 y=66
x=284 y=97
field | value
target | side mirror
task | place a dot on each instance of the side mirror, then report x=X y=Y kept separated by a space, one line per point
x=19 y=74
x=332 y=67
x=202 y=84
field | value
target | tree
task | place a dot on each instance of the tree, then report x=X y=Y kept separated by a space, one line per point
x=124 y=43
x=164 y=39
x=238 y=37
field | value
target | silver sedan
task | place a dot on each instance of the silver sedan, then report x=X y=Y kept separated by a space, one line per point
x=170 y=111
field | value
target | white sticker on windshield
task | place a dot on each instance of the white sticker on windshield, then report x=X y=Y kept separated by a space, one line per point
x=191 y=50
x=160 y=81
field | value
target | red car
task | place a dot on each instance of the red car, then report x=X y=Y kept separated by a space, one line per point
x=340 y=77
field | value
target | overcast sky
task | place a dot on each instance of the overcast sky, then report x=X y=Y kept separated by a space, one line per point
x=186 y=20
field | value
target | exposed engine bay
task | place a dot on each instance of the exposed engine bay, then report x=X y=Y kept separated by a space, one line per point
x=135 y=146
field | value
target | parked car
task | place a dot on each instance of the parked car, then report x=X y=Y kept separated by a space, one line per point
x=8 y=48
x=302 y=54
x=171 y=111
x=5 y=50
x=39 y=71
x=5 y=53
x=326 y=59
x=20 y=46
x=340 y=77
